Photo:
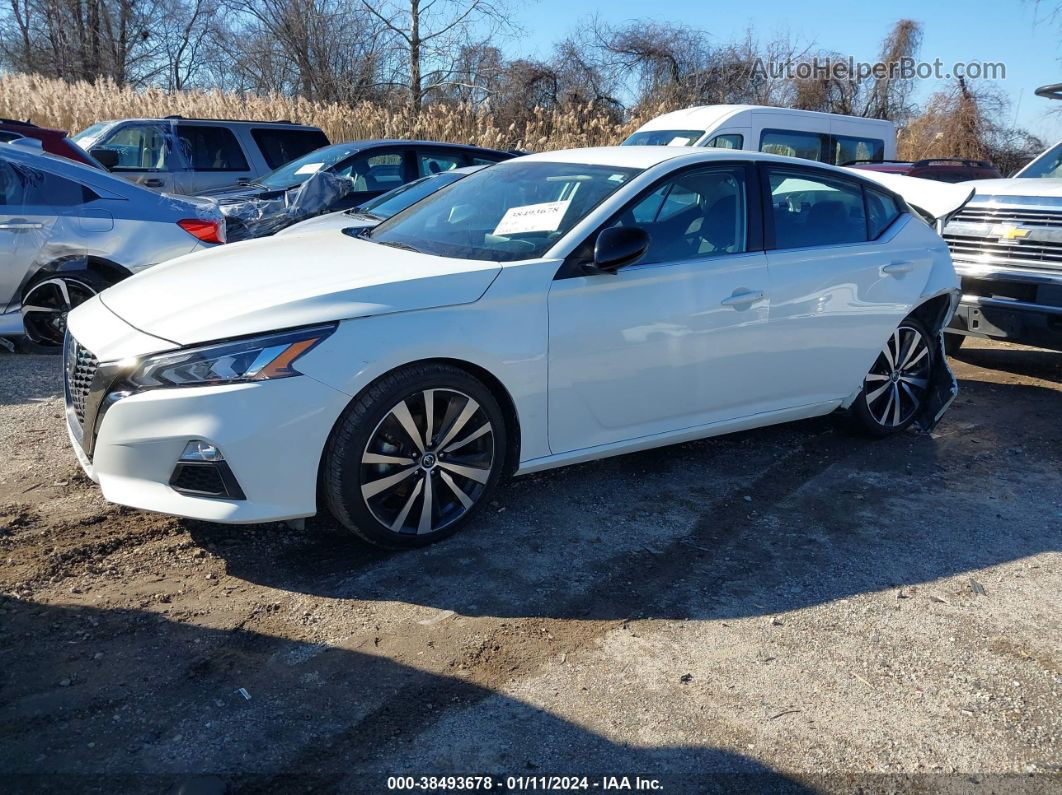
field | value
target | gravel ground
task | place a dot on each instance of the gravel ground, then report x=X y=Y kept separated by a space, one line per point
x=790 y=609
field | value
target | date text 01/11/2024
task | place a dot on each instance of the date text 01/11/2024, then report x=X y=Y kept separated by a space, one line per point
x=523 y=783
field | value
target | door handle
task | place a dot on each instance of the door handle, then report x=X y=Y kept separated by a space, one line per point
x=153 y=182
x=897 y=268
x=19 y=224
x=743 y=298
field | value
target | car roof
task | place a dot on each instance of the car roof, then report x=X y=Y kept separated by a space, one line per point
x=705 y=117
x=645 y=157
x=278 y=123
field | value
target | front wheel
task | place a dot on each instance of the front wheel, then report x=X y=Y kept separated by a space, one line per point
x=48 y=301
x=414 y=456
x=896 y=388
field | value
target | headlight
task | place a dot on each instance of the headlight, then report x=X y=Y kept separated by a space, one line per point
x=257 y=359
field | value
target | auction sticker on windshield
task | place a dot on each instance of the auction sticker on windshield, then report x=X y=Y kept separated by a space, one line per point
x=309 y=168
x=545 y=217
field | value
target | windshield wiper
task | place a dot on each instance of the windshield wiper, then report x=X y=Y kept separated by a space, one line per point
x=394 y=244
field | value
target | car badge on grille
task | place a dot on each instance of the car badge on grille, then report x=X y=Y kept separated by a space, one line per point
x=1010 y=233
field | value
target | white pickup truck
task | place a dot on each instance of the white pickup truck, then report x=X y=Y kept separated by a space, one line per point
x=1006 y=244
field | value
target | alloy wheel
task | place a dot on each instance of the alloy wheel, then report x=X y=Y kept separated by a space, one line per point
x=46 y=305
x=897 y=384
x=427 y=462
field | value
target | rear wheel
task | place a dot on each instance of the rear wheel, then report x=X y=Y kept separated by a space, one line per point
x=415 y=456
x=897 y=387
x=47 y=302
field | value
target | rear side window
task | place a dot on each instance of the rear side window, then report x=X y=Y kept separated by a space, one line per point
x=848 y=148
x=211 y=148
x=11 y=185
x=49 y=190
x=810 y=210
x=482 y=160
x=882 y=210
x=727 y=141
x=794 y=143
x=437 y=162
x=282 y=146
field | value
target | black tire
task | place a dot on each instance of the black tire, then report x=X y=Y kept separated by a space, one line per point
x=374 y=426
x=953 y=343
x=892 y=397
x=44 y=331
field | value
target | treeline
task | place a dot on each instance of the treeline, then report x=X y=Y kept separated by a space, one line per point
x=407 y=57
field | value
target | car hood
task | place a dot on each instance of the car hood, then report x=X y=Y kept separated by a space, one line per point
x=1049 y=188
x=283 y=282
x=938 y=199
x=337 y=220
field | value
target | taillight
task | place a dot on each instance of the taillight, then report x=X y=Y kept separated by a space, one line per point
x=207 y=231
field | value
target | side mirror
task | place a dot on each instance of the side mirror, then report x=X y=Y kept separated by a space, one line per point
x=618 y=246
x=108 y=158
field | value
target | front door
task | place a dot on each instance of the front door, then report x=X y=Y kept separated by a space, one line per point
x=672 y=341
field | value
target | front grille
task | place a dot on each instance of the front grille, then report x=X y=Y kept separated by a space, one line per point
x=980 y=214
x=80 y=370
x=1027 y=253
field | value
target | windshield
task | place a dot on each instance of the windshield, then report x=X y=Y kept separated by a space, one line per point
x=301 y=169
x=511 y=211
x=87 y=137
x=664 y=138
x=394 y=201
x=1047 y=166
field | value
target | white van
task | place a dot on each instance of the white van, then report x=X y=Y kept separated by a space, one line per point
x=826 y=137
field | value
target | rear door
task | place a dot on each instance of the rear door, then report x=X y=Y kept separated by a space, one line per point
x=22 y=231
x=214 y=158
x=842 y=278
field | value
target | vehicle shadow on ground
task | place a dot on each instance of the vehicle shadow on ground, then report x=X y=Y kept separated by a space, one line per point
x=756 y=523
x=128 y=700
x=1028 y=362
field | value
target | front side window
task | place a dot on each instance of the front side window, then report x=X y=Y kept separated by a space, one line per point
x=699 y=214
x=282 y=146
x=793 y=143
x=512 y=211
x=848 y=148
x=210 y=148
x=140 y=147
x=1047 y=166
x=809 y=210
x=664 y=138
x=727 y=141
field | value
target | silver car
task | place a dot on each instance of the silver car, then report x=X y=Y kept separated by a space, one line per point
x=68 y=231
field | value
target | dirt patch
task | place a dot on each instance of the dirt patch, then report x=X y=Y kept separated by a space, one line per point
x=791 y=608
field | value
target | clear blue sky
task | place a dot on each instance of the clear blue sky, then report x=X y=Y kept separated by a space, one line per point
x=1014 y=32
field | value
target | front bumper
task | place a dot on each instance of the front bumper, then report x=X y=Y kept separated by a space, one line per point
x=1018 y=306
x=271 y=433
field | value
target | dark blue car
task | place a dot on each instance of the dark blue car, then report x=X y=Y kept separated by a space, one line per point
x=373 y=167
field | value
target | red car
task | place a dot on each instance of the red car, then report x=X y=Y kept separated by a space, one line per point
x=52 y=141
x=942 y=169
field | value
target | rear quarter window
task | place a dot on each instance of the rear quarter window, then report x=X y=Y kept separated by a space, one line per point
x=882 y=210
x=282 y=146
x=210 y=148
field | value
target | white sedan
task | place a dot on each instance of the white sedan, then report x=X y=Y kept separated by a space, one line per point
x=552 y=309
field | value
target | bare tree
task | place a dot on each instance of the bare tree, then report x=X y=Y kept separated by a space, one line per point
x=430 y=32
